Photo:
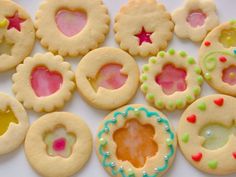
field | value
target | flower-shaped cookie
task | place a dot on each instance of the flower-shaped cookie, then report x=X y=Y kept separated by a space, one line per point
x=207 y=134
x=195 y=19
x=106 y=74
x=143 y=27
x=43 y=82
x=136 y=140
x=217 y=57
x=171 y=80
x=14 y=124
x=60 y=140
x=72 y=28
x=17 y=34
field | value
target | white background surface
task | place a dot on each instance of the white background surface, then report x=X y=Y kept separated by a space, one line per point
x=15 y=163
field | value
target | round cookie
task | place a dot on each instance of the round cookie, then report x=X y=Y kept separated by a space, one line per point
x=206 y=134
x=14 y=124
x=171 y=80
x=106 y=74
x=17 y=34
x=195 y=19
x=136 y=140
x=217 y=58
x=72 y=28
x=61 y=141
x=143 y=27
x=43 y=82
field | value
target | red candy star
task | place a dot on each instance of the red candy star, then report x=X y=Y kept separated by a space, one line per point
x=144 y=36
x=15 y=22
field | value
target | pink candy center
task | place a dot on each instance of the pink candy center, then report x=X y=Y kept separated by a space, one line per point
x=229 y=75
x=45 y=82
x=70 y=23
x=172 y=79
x=144 y=36
x=110 y=77
x=196 y=18
x=59 y=144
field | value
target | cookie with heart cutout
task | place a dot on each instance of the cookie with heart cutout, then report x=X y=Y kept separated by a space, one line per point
x=74 y=28
x=17 y=34
x=43 y=82
x=207 y=134
x=14 y=124
x=217 y=57
x=61 y=141
x=107 y=78
x=143 y=27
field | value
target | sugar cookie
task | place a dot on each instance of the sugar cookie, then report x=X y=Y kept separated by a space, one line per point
x=195 y=19
x=107 y=78
x=72 y=28
x=43 y=82
x=171 y=80
x=61 y=141
x=143 y=27
x=207 y=134
x=136 y=140
x=17 y=34
x=217 y=58
x=14 y=124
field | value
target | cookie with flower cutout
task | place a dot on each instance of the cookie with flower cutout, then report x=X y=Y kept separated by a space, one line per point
x=14 y=124
x=43 y=82
x=74 y=28
x=171 y=80
x=62 y=141
x=17 y=35
x=143 y=27
x=207 y=134
x=106 y=74
x=217 y=57
x=195 y=19
x=136 y=140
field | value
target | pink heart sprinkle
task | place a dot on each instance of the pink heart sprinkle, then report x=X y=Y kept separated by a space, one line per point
x=59 y=144
x=71 y=23
x=45 y=82
x=196 y=18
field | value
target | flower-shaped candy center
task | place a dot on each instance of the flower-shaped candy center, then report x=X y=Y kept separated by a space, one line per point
x=196 y=18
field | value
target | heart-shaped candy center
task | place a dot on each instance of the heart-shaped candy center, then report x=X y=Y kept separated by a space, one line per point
x=45 y=82
x=70 y=23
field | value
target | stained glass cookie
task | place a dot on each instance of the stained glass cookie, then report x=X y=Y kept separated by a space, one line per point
x=43 y=82
x=107 y=78
x=17 y=34
x=143 y=27
x=195 y=19
x=206 y=134
x=171 y=80
x=14 y=124
x=217 y=58
x=136 y=140
x=72 y=28
x=61 y=141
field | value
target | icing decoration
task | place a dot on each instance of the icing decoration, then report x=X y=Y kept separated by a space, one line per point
x=192 y=119
x=70 y=23
x=234 y=155
x=135 y=143
x=15 y=22
x=182 y=53
x=196 y=90
x=228 y=37
x=219 y=102
x=144 y=36
x=45 y=82
x=207 y=76
x=207 y=43
x=202 y=106
x=191 y=60
x=123 y=115
x=109 y=77
x=153 y=60
x=213 y=164
x=216 y=135
x=159 y=104
x=172 y=79
x=196 y=18
x=59 y=142
x=229 y=75
x=171 y=51
x=150 y=96
x=3 y=23
x=185 y=138
x=144 y=77
x=223 y=59
x=144 y=87
x=210 y=63
x=5 y=47
x=197 y=157
x=7 y=117
x=161 y=54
